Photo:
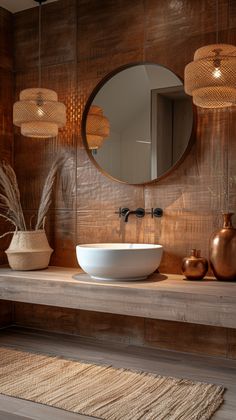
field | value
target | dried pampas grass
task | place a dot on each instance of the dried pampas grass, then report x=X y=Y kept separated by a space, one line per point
x=46 y=197
x=10 y=204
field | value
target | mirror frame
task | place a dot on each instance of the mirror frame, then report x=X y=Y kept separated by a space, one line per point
x=86 y=110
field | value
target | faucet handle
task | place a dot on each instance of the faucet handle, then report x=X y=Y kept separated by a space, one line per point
x=122 y=211
x=157 y=212
x=140 y=212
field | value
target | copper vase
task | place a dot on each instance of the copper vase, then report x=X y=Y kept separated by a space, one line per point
x=223 y=251
x=194 y=267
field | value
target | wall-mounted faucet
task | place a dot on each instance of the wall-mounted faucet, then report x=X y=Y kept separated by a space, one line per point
x=125 y=212
x=139 y=212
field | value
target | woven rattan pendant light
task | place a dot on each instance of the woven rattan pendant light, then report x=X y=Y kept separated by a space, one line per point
x=97 y=127
x=211 y=77
x=38 y=112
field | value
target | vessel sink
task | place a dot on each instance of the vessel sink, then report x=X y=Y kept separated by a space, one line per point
x=124 y=262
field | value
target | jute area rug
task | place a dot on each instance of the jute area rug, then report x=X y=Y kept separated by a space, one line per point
x=103 y=391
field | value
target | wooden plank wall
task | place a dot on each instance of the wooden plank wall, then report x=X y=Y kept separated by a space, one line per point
x=6 y=313
x=113 y=33
x=83 y=41
x=6 y=99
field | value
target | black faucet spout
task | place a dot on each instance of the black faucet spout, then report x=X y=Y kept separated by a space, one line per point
x=139 y=212
x=126 y=216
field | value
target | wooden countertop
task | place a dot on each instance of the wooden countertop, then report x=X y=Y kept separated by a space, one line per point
x=168 y=297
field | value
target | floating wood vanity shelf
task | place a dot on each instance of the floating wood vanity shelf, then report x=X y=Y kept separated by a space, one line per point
x=167 y=297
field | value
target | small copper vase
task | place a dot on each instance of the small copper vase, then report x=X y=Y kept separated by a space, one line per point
x=194 y=267
x=223 y=251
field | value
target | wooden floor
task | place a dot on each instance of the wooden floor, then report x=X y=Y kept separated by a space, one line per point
x=182 y=365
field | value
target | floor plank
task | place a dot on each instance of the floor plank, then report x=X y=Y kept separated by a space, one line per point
x=207 y=369
x=16 y=409
x=9 y=416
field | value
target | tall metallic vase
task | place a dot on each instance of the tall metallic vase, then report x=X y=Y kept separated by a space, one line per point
x=223 y=251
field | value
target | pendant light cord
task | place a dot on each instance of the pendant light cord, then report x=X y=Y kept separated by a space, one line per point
x=217 y=21
x=39 y=51
x=228 y=21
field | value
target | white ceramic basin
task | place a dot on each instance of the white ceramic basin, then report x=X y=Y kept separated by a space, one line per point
x=119 y=261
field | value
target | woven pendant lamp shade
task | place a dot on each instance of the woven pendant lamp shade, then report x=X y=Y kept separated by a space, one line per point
x=38 y=113
x=97 y=127
x=211 y=77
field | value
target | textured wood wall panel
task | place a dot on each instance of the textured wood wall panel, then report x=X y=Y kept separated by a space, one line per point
x=174 y=30
x=194 y=194
x=6 y=313
x=58 y=35
x=179 y=336
x=109 y=28
x=61 y=231
x=232 y=344
x=6 y=100
x=6 y=39
x=83 y=41
x=188 y=338
x=6 y=128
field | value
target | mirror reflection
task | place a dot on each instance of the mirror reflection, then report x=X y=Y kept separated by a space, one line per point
x=139 y=123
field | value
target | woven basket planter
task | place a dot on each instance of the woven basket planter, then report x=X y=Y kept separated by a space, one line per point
x=29 y=250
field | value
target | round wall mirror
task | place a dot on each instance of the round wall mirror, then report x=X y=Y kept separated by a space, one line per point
x=138 y=123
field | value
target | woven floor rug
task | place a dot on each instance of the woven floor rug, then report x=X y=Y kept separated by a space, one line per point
x=103 y=391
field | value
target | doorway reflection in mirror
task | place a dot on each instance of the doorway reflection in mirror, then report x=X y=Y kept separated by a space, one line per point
x=150 y=119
